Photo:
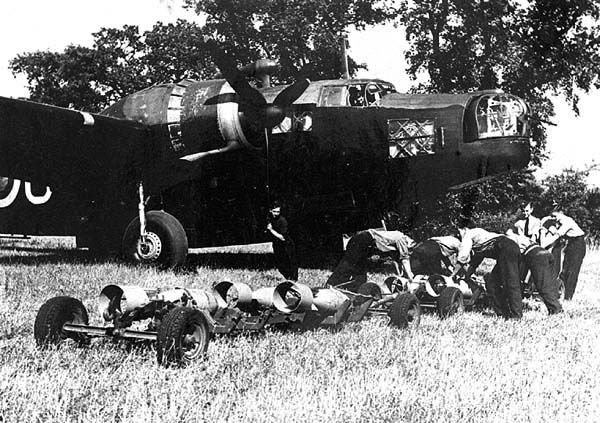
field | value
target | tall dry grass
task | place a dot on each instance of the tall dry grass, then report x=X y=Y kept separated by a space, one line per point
x=469 y=368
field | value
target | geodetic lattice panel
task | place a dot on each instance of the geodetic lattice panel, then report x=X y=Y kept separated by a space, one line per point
x=411 y=137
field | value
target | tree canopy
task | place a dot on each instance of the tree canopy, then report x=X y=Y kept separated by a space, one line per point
x=303 y=35
x=120 y=62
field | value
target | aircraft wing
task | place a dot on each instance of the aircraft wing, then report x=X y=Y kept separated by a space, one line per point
x=71 y=151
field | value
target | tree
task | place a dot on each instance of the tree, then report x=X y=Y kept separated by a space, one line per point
x=62 y=79
x=120 y=62
x=570 y=192
x=303 y=35
x=531 y=49
x=492 y=204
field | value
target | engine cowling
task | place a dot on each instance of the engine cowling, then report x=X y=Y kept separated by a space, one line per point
x=191 y=116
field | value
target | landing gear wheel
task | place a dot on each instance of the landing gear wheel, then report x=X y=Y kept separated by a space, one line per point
x=53 y=314
x=450 y=302
x=405 y=312
x=164 y=245
x=183 y=337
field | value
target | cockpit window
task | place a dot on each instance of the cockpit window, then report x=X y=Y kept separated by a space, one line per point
x=334 y=96
x=355 y=95
x=372 y=94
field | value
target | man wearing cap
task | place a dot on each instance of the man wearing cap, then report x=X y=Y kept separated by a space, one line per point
x=351 y=270
x=563 y=227
x=503 y=284
x=540 y=263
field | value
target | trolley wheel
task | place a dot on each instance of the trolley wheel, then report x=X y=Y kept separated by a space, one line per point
x=53 y=314
x=450 y=302
x=405 y=311
x=183 y=337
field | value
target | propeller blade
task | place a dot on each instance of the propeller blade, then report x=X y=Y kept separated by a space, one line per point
x=235 y=77
x=247 y=93
x=291 y=93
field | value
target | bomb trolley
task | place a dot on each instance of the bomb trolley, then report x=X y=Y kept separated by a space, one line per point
x=445 y=295
x=182 y=321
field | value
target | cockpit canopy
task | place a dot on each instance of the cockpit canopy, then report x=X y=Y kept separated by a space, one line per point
x=356 y=93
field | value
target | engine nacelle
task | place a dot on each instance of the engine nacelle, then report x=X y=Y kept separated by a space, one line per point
x=195 y=118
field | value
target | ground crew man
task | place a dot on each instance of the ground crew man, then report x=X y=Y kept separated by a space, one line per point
x=540 y=263
x=529 y=225
x=351 y=271
x=563 y=227
x=503 y=283
x=284 y=248
x=435 y=256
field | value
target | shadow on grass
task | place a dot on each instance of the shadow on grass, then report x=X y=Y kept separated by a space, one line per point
x=256 y=261
x=30 y=256
x=36 y=256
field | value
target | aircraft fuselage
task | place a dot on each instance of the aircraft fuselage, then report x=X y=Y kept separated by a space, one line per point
x=347 y=152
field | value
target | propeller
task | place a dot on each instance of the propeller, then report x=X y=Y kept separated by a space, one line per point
x=258 y=112
x=260 y=115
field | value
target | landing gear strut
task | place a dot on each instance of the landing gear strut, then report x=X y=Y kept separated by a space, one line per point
x=155 y=238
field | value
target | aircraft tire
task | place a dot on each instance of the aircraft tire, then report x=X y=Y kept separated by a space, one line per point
x=52 y=315
x=167 y=241
x=182 y=338
x=405 y=311
x=450 y=302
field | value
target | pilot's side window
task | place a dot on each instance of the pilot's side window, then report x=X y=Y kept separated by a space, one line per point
x=355 y=96
x=333 y=96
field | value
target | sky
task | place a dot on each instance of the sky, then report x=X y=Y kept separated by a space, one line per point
x=31 y=25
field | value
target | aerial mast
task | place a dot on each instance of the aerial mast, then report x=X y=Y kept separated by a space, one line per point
x=344 y=40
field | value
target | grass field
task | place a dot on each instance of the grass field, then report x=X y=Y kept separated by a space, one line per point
x=469 y=368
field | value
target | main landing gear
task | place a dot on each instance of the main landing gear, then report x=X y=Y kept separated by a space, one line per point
x=155 y=237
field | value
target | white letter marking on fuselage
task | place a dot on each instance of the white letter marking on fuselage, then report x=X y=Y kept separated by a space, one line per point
x=33 y=199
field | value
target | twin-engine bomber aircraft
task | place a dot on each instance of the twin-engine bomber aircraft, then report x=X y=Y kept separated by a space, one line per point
x=196 y=163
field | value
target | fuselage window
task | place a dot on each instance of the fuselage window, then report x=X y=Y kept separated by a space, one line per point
x=410 y=137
